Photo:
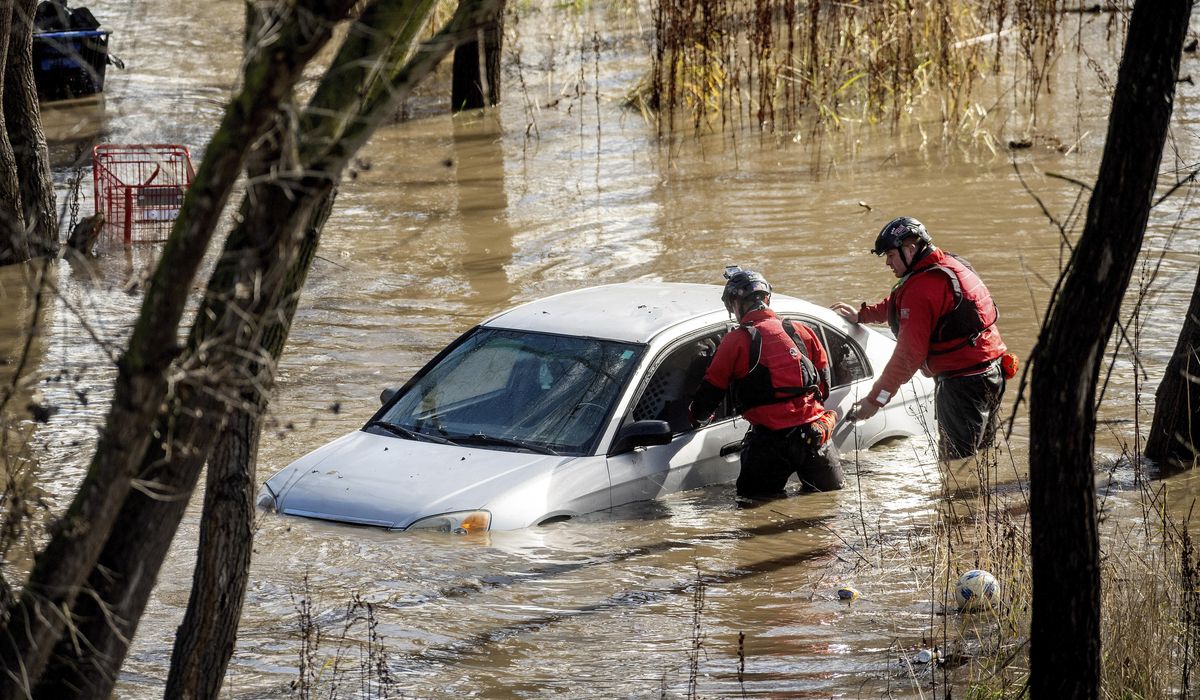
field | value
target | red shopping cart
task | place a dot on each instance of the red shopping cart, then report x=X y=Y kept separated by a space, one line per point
x=139 y=188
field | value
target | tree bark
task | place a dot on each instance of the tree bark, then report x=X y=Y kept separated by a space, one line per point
x=1175 y=431
x=204 y=643
x=14 y=246
x=37 y=620
x=124 y=575
x=205 y=640
x=467 y=82
x=1065 y=634
x=493 y=50
x=466 y=85
x=245 y=292
x=22 y=117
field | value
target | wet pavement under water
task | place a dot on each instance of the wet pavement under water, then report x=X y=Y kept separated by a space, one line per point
x=449 y=220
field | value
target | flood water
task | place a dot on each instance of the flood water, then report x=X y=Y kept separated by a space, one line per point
x=450 y=220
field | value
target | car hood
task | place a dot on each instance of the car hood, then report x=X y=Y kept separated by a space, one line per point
x=391 y=482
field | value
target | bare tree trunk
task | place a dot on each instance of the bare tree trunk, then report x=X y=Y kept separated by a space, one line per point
x=37 y=620
x=126 y=571
x=493 y=49
x=124 y=574
x=85 y=662
x=466 y=86
x=205 y=640
x=14 y=246
x=246 y=291
x=1175 y=431
x=1065 y=636
x=22 y=117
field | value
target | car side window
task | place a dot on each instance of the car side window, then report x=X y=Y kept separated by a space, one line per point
x=668 y=392
x=847 y=364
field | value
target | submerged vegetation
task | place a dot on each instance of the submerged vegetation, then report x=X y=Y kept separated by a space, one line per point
x=1150 y=624
x=1149 y=574
x=783 y=66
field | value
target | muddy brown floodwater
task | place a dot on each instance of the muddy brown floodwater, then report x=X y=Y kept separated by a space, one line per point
x=452 y=219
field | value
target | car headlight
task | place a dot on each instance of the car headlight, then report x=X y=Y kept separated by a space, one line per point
x=266 y=499
x=463 y=522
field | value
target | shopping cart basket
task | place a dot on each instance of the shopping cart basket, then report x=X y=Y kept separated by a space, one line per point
x=139 y=188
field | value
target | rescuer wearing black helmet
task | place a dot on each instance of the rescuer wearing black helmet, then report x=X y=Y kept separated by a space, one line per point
x=778 y=373
x=897 y=232
x=744 y=287
x=944 y=321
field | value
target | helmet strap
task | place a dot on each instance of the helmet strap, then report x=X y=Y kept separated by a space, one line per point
x=743 y=307
x=920 y=250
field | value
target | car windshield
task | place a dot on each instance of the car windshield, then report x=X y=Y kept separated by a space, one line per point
x=512 y=389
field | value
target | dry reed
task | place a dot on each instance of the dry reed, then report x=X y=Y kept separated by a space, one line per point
x=777 y=64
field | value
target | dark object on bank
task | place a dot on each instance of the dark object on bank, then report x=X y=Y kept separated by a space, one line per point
x=42 y=413
x=85 y=234
x=70 y=52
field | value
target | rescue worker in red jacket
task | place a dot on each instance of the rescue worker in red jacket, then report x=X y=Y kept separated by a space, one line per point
x=779 y=374
x=944 y=321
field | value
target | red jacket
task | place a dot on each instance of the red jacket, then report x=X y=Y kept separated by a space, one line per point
x=732 y=362
x=920 y=301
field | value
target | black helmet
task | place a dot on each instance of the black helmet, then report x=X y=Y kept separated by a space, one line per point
x=893 y=234
x=743 y=284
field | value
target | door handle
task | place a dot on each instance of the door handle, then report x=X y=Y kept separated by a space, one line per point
x=732 y=448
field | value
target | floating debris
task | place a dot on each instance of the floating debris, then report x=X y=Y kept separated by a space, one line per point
x=975 y=590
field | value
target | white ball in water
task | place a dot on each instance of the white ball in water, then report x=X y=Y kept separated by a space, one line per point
x=976 y=589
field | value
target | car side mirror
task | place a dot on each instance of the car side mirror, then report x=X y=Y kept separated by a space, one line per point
x=387 y=394
x=641 y=434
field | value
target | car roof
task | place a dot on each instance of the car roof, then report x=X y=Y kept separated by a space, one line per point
x=630 y=311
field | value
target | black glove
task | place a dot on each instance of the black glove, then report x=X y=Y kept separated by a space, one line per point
x=811 y=436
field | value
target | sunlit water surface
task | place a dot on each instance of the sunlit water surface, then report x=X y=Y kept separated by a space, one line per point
x=449 y=220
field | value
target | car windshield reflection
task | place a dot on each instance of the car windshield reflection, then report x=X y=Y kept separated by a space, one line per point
x=507 y=389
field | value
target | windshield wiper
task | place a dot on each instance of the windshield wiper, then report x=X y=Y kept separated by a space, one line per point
x=508 y=442
x=407 y=433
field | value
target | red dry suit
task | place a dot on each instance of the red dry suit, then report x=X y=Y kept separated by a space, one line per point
x=944 y=320
x=794 y=394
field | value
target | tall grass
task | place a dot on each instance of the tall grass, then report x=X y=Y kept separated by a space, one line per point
x=1150 y=575
x=341 y=652
x=1150 y=606
x=779 y=64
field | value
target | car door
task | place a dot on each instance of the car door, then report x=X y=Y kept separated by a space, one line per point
x=695 y=456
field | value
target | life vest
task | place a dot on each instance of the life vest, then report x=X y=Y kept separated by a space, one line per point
x=973 y=312
x=777 y=376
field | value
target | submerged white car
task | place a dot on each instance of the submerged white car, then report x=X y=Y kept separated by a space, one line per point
x=568 y=405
